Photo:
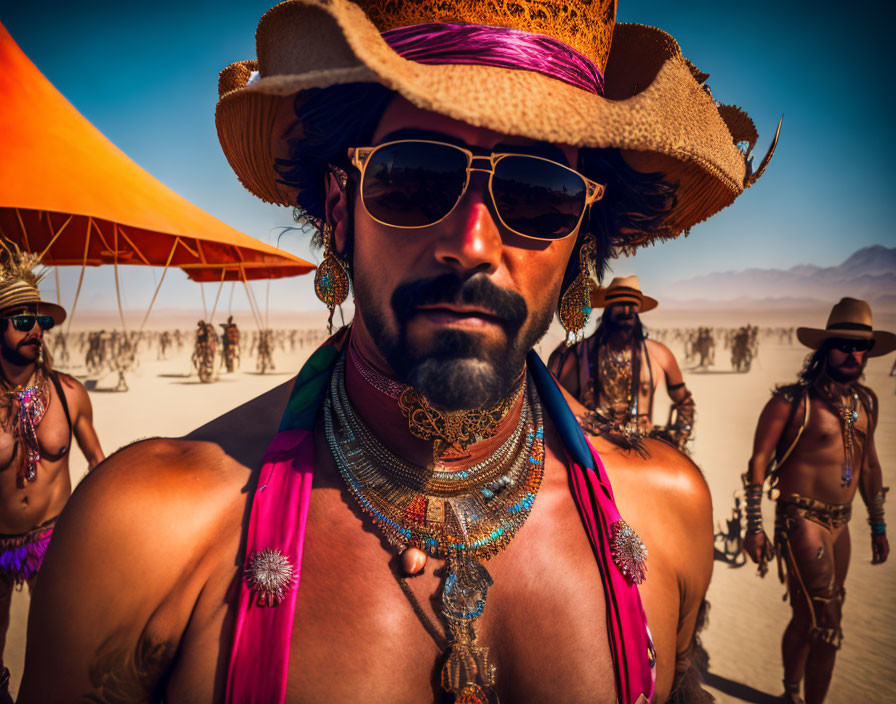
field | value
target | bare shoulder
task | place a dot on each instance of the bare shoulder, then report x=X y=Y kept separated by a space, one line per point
x=783 y=398
x=659 y=352
x=74 y=389
x=154 y=487
x=147 y=531
x=658 y=486
x=659 y=464
x=189 y=480
x=156 y=532
x=154 y=462
x=659 y=481
x=869 y=399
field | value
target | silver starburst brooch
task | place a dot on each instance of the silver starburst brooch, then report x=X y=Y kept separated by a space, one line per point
x=628 y=552
x=270 y=575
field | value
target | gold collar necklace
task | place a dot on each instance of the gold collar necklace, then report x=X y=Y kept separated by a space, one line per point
x=451 y=432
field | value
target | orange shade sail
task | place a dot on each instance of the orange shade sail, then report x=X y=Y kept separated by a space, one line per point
x=67 y=192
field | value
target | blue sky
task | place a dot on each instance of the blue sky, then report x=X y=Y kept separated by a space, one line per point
x=146 y=76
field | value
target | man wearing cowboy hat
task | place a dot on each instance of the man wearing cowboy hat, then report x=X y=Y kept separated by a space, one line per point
x=816 y=438
x=41 y=412
x=616 y=371
x=429 y=521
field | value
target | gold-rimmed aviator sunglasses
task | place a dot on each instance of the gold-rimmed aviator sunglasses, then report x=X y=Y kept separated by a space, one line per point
x=416 y=183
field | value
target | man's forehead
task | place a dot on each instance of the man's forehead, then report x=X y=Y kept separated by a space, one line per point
x=402 y=120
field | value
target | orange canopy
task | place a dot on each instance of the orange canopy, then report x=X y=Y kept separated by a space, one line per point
x=67 y=192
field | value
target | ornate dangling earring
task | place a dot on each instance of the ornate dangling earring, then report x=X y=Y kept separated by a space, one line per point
x=331 y=281
x=575 y=303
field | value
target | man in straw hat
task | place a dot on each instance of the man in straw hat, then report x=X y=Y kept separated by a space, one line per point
x=815 y=442
x=616 y=371
x=41 y=411
x=410 y=533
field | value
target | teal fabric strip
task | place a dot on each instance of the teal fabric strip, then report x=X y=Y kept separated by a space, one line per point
x=559 y=412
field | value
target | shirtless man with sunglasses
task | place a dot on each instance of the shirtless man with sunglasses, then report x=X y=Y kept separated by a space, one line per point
x=817 y=437
x=421 y=518
x=42 y=411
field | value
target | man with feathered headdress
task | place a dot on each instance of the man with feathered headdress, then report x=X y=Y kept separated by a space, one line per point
x=422 y=518
x=41 y=411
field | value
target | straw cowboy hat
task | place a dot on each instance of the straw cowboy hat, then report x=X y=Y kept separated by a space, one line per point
x=631 y=90
x=622 y=289
x=850 y=319
x=19 y=283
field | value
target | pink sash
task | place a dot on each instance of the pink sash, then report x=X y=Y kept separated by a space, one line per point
x=259 y=659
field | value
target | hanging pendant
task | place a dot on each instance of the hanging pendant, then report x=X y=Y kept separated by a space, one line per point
x=846 y=476
x=466 y=589
x=629 y=552
x=473 y=694
x=467 y=672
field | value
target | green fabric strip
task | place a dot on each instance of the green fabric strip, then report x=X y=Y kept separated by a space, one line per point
x=307 y=395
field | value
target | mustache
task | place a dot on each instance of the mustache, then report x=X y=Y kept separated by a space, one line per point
x=478 y=290
x=25 y=343
x=621 y=320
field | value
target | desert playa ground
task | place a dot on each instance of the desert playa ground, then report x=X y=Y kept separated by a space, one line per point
x=747 y=614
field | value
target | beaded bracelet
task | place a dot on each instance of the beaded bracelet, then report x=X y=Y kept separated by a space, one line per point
x=876 y=512
x=753 y=494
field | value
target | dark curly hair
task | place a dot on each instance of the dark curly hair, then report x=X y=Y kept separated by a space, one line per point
x=331 y=120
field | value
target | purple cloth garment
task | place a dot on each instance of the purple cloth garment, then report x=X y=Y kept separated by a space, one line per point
x=22 y=555
x=503 y=47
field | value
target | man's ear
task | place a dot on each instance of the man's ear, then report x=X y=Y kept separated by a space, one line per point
x=336 y=210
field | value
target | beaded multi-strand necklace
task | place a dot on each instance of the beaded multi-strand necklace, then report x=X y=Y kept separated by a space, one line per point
x=30 y=406
x=464 y=516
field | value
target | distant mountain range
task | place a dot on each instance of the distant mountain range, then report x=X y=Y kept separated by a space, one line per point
x=870 y=274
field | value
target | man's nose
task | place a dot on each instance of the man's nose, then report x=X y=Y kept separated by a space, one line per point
x=469 y=238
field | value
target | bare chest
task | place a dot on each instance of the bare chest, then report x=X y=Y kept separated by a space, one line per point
x=24 y=505
x=53 y=432
x=827 y=459
x=613 y=381
x=828 y=431
x=357 y=635
x=358 y=632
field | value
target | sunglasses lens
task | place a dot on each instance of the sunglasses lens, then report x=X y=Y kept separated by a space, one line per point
x=538 y=198
x=45 y=322
x=23 y=323
x=850 y=346
x=413 y=184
